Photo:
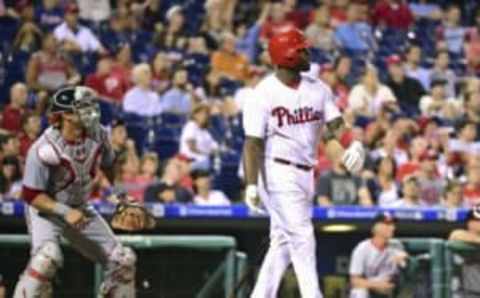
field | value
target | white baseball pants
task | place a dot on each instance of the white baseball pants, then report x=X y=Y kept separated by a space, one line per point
x=287 y=193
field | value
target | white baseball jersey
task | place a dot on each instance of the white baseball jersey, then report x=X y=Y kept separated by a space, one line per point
x=290 y=120
x=370 y=262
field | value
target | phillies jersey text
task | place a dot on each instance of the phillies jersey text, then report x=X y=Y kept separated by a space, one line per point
x=290 y=120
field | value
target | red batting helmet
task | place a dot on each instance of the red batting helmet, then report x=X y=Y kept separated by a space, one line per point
x=285 y=46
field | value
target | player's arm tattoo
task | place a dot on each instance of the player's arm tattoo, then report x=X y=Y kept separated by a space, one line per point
x=334 y=129
x=253 y=151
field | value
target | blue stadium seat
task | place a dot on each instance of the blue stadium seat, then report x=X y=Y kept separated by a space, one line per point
x=173 y=120
x=166 y=142
x=107 y=112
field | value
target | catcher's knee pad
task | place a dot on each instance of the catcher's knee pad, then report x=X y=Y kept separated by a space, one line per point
x=35 y=281
x=120 y=273
x=122 y=259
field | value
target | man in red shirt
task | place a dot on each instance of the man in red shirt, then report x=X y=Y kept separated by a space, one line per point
x=471 y=190
x=14 y=111
x=392 y=13
x=109 y=84
x=31 y=128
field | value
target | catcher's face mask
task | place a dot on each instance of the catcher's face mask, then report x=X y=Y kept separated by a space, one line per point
x=86 y=108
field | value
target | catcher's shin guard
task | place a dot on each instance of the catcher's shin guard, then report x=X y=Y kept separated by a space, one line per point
x=35 y=281
x=119 y=274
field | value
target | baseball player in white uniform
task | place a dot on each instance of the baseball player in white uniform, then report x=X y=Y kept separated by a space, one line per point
x=284 y=121
x=59 y=173
x=376 y=261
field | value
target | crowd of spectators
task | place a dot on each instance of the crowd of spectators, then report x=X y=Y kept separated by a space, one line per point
x=173 y=76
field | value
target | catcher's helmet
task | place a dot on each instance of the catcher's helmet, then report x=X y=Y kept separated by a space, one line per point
x=79 y=100
x=284 y=47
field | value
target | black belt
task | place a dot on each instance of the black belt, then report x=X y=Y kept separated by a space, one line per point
x=289 y=163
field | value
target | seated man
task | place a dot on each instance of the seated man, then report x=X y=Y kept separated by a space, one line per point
x=375 y=261
x=339 y=187
x=411 y=191
x=471 y=263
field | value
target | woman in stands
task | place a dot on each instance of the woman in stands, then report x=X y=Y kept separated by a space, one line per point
x=48 y=70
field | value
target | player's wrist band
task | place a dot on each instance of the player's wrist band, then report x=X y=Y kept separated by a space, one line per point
x=61 y=209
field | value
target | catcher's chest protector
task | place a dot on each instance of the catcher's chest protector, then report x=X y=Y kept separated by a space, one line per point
x=71 y=181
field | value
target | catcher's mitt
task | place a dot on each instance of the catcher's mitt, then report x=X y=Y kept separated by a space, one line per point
x=131 y=217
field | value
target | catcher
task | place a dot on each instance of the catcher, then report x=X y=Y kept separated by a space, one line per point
x=59 y=172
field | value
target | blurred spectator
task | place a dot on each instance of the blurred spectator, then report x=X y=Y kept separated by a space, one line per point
x=407 y=90
x=174 y=35
x=116 y=33
x=441 y=71
x=9 y=145
x=451 y=31
x=472 y=46
x=453 y=195
x=126 y=171
x=389 y=146
x=393 y=14
x=184 y=166
x=417 y=147
x=219 y=17
x=31 y=127
x=12 y=113
x=49 y=15
x=95 y=11
x=227 y=62
x=299 y=16
x=123 y=63
x=154 y=14
x=121 y=144
x=111 y=86
x=161 y=67
x=383 y=186
x=338 y=187
x=375 y=280
x=471 y=109
x=141 y=99
x=426 y=9
x=471 y=189
x=319 y=32
x=276 y=22
x=196 y=142
x=410 y=194
x=11 y=177
x=168 y=190
x=204 y=195
x=343 y=67
x=413 y=69
x=470 y=268
x=247 y=37
x=464 y=145
x=354 y=34
x=431 y=187
x=370 y=95
x=2 y=288
x=179 y=98
x=75 y=37
x=28 y=38
x=436 y=104
x=48 y=69
x=136 y=182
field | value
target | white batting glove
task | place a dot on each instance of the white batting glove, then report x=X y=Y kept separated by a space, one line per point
x=354 y=157
x=252 y=199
